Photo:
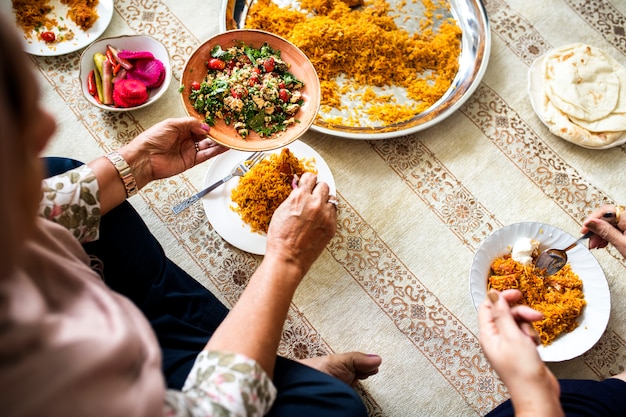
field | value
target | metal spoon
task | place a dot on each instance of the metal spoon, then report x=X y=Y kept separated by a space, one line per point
x=550 y=261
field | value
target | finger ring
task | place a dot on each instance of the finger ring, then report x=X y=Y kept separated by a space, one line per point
x=333 y=201
x=195 y=144
x=618 y=212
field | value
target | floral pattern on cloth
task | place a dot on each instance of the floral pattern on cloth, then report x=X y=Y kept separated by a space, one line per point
x=222 y=384
x=71 y=199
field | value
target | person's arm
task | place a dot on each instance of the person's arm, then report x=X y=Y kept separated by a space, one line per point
x=78 y=198
x=607 y=230
x=510 y=344
x=298 y=232
x=233 y=373
x=222 y=383
x=166 y=149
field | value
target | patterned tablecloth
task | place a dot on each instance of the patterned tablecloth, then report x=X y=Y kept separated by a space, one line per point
x=412 y=210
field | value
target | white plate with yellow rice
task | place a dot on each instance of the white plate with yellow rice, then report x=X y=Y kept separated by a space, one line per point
x=387 y=68
x=218 y=203
x=69 y=37
x=595 y=316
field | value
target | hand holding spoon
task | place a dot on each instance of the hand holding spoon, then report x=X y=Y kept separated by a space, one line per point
x=551 y=261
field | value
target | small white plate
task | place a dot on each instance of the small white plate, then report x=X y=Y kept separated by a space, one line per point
x=537 y=97
x=595 y=316
x=217 y=204
x=35 y=46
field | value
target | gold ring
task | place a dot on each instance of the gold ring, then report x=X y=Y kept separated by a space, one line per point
x=618 y=212
x=195 y=144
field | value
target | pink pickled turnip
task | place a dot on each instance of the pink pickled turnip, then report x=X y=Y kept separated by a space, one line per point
x=149 y=71
x=129 y=93
x=125 y=54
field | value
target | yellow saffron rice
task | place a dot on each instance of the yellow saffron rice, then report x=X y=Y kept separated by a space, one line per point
x=262 y=189
x=34 y=15
x=366 y=47
x=559 y=297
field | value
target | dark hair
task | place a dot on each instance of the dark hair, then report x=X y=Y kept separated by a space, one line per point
x=17 y=173
x=13 y=62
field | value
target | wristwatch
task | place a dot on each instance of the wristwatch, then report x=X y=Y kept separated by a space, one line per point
x=123 y=170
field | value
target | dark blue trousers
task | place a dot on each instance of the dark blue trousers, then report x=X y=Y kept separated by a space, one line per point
x=184 y=314
x=583 y=398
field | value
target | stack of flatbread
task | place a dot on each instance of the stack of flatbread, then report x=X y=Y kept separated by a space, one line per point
x=583 y=92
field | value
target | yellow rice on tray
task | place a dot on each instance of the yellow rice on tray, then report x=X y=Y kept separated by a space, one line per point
x=559 y=297
x=366 y=46
x=262 y=189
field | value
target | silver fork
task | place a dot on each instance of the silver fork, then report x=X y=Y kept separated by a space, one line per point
x=243 y=167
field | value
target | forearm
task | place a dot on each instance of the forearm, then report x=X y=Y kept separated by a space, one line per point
x=538 y=409
x=112 y=188
x=254 y=326
x=535 y=398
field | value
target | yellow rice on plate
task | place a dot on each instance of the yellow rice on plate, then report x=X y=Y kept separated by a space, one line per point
x=559 y=297
x=268 y=183
x=367 y=47
x=38 y=15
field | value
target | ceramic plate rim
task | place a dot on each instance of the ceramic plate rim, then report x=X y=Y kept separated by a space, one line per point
x=216 y=204
x=595 y=285
x=81 y=40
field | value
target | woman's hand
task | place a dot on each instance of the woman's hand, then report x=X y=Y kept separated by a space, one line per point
x=299 y=230
x=611 y=230
x=510 y=344
x=302 y=225
x=169 y=148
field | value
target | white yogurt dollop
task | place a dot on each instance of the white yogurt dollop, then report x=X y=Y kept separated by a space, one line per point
x=523 y=250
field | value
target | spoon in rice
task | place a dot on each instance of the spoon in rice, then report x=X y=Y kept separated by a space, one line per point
x=551 y=261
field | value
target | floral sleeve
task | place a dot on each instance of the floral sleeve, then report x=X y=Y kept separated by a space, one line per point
x=72 y=200
x=222 y=384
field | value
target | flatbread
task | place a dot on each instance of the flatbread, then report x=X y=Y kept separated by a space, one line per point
x=600 y=133
x=616 y=120
x=560 y=125
x=581 y=81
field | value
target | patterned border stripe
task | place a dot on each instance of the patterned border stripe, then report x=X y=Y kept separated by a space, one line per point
x=458 y=209
x=605 y=18
x=417 y=313
x=155 y=19
x=517 y=33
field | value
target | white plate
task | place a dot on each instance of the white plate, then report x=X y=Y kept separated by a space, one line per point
x=595 y=316
x=537 y=97
x=224 y=220
x=82 y=38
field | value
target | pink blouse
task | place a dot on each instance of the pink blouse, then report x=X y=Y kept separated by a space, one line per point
x=70 y=346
